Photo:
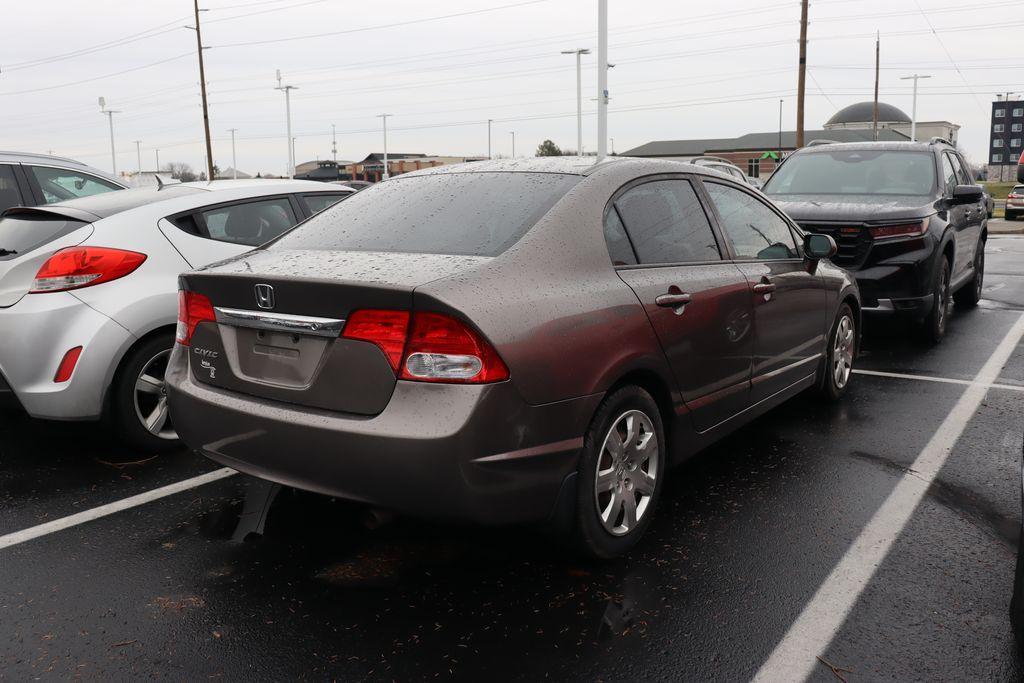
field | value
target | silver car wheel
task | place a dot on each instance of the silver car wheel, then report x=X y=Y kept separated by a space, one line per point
x=627 y=470
x=842 y=352
x=151 y=397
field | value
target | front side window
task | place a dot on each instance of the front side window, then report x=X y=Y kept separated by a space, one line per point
x=667 y=224
x=755 y=231
x=963 y=177
x=59 y=184
x=252 y=223
x=856 y=171
x=466 y=214
x=948 y=175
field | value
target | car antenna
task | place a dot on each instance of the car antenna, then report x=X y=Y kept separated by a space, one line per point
x=159 y=183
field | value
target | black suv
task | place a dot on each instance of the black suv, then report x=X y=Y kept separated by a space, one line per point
x=907 y=219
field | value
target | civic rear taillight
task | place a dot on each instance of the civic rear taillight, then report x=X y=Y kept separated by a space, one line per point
x=428 y=347
x=902 y=230
x=193 y=309
x=77 y=267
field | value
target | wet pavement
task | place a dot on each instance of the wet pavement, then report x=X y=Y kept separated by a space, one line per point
x=745 y=535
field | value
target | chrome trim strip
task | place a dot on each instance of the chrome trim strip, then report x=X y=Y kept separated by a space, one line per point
x=277 y=322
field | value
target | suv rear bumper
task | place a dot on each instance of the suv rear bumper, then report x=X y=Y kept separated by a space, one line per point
x=915 y=308
x=473 y=453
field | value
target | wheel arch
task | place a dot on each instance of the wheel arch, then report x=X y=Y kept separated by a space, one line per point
x=659 y=388
x=117 y=365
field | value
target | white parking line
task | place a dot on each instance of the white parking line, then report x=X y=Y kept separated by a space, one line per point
x=944 y=380
x=110 y=508
x=794 y=658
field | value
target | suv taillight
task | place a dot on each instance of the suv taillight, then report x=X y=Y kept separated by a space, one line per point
x=428 y=347
x=77 y=267
x=192 y=309
x=903 y=230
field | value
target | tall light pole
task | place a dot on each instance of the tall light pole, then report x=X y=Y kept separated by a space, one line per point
x=157 y=150
x=913 y=109
x=613 y=146
x=110 y=118
x=780 y=134
x=513 y=134
x=334 y=145
x=234 y=160
x=138 y=154
x=579 y=52
x=288 y=113
x=384 y=118
x=489 y=122
x=602 y=79
x=202 y=88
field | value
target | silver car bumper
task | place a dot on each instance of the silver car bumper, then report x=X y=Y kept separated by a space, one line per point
x=36 y=332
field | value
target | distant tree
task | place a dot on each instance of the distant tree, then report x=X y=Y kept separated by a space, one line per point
x=216 y=171
x=548 y=149
x=179 y=170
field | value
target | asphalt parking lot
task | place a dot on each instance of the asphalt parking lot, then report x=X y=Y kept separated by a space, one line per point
x=800 y=533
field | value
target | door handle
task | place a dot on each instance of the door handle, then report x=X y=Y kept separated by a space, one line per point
x=672 y=300
x=764 y=288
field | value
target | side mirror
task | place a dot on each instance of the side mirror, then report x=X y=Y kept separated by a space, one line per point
x=817 y=247
x=966 y=194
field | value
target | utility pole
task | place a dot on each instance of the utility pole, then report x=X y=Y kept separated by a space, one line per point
x=288 y=113
x=384 y=118
x=874 y=108
x=489 y=122
x=913 y=115
x=602 y=78
x=579 y=52
x=202 y=88
x=513 y=133
x=613 y=146
x=802 y=76
x=334 y=145
x=234 y=160
x=780 y=134
x=138 y=154
x=157 y=150
x=110 y=117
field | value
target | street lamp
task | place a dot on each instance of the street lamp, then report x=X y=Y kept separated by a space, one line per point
x=579 y=52
x=913 y=110
x=288 y=112
x=384 y=118
x=110 y=117
x=602 y=78
x=513 y=134
x=234 y=160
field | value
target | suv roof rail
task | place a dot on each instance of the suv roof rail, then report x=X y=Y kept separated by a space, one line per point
x=821 y=141
x=939 y=141
x=708 y=157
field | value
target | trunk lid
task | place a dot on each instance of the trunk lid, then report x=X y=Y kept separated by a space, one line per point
x=28 y=237
x=280 y=314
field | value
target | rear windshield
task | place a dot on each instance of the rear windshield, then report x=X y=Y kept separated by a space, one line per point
x=22 y=234
x=855 y=172
x=471 y=214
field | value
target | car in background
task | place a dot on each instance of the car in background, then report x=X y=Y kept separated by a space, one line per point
x=354 y=184
x=908 y=219
x=88 y=291
x=1020 y=168
x=722 y=166
x=511 y=341
x=35 y=179
x=1015 y=203
x=988 y=201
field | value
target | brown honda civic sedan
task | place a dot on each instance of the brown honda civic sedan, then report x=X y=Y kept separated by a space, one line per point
x=511 y=341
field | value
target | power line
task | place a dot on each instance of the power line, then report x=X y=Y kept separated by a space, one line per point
x=97 y=78
x=944 y=49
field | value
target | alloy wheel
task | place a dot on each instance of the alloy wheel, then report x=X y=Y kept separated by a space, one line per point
x=944 y=300
x=151 y=397
x=979 y=270
x=842 y=351
x=627 y=471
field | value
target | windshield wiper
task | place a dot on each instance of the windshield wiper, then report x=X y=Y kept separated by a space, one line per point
x=7 y=252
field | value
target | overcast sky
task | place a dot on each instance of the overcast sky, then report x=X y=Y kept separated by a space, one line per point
x=683 y=69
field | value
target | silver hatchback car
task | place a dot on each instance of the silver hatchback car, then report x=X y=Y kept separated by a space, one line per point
x=88 y=291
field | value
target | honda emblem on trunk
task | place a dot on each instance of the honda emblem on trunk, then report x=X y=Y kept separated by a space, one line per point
x=264 y=296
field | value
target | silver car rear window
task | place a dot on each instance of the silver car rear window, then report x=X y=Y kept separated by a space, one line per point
x=22 y=234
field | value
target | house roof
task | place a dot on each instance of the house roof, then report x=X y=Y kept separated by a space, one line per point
x=757 y=142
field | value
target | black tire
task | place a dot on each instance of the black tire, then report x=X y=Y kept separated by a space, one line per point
x=126 y=416
x=831 y=384
x=969 y=295
x=593 y=536
x=933 y=327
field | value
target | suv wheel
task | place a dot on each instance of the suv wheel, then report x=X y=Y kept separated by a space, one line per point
x=970 y=294
x=840 y=355
x=620 y=473
x=933 y=328
x=139 y=399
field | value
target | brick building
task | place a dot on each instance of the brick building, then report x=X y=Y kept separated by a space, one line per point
x=1006 y=138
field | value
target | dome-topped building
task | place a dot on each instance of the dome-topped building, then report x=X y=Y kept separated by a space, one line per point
x=859 y=115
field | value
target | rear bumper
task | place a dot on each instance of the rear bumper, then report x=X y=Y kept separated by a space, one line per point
x=472 y=453
x=8 y=399
x=37 y=332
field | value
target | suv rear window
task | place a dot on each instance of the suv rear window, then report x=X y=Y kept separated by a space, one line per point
x=470 y=214
x=855 y=171
x=20 y=234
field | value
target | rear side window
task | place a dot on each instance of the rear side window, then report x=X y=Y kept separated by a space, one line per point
x=755 y=231
x=619 y=247
x=59 y=184
x=251 y=223
x=318 y=202
x=20 y=234
x=9 y=193
x=667 y=223
x=470 y=214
